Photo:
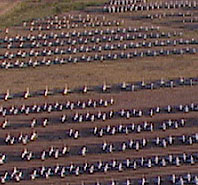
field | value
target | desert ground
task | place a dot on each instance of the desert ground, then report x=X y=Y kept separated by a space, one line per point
x=138 y=68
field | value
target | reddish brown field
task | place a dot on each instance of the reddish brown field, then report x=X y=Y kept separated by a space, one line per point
x=95 y=74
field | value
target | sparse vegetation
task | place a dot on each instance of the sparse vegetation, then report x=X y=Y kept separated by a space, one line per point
x=31 y=9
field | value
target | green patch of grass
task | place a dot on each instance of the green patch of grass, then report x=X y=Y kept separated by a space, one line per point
x=33 y=9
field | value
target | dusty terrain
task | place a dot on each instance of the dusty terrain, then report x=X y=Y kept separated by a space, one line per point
x=96 y=74
x=7 y=5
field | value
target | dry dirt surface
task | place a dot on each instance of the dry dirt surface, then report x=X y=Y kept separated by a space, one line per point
x=7 y=5
x=135 y=126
